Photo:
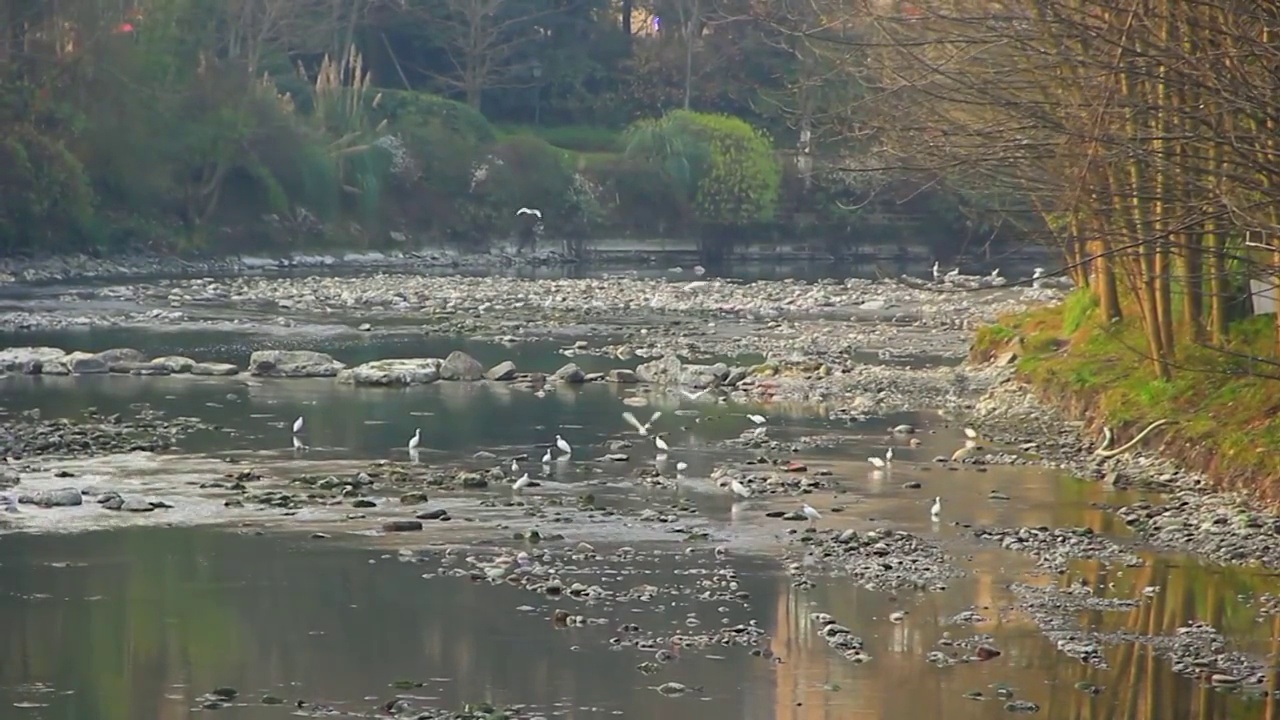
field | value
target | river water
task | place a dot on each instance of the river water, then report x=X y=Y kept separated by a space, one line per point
x=121 y=618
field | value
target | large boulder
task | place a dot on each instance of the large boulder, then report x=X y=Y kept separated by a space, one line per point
x=214 y=369
x=571 y=373
x=505 y=370
x=703 y=376
x=461 y=366
x=61 y=497
x=663 y=371
x=175 y=363
x=29 y=360
x=393 y=372
x=293 y=363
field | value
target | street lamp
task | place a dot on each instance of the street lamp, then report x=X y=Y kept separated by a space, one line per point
x=535 y=69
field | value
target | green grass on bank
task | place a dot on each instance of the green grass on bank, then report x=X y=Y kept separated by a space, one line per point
x=1228 y=422
x=584 y=139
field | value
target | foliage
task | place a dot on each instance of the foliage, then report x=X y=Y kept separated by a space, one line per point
x=720 y=165
x=45 y=197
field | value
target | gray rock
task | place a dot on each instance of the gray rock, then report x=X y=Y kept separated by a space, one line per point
x=663 y=371
x=29 y=360
x=461 y=366
x=175 y=363
x=83 y=363
x=139 y=368
x=570 y=373
x=8 y=478
x=622 y=376
x=215 y=369
x=136 y=505
x=393 y=372
x=401 y=525
x=293 y=363
x=505 y=370
x=703 y=376
x=116 y=356
x=61 y=497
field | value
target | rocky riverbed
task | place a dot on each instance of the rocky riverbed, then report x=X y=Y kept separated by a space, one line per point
x=839 y=346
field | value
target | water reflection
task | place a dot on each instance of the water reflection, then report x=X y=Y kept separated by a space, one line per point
x=139 y=623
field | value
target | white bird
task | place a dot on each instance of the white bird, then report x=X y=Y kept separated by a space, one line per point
x=530 y=211
x=416 y=440
x=297 y=425
x=936 y=273
x=1037 y=273
x=971 y=433
x=546 y=457
x=888 y=455
x=522 y=483
x=897 y=616
x=757 y=419
x=642 y=428
x=661 y=444
x=564 y=446
x=936 y=510
x=692 y=395
x=743 y=491
x=877 y=462
x=681 y=466
x=699 y=270
x=515 y=466
x=297 y=444
x=995 y=274
x=813 y=515
x=952 y=275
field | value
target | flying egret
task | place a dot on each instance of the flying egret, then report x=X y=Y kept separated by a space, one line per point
x=297 y=425
x=564 y=446
x=515 y=466
x=642 y=428
x=813 y=515
x=693 y=395
x=936 y=510
x=757 y=419
x=661 y=444
x=546 y=457
x=936 y=273
x=416 y=440
x=530 y=211
x=743 y=491
x=521 y=484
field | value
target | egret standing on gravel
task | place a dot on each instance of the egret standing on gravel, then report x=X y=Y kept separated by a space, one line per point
x=813 y=515
x=661 y=444
x=936 y=510
x=936 y=273
x=297 y=443
x=564 y=446
x=743 y=491
x=888 y=455
x=515 y=466
x=877 y=463
x=416 y=440
x=297 y=425
x=521 y=484
x=546 y=457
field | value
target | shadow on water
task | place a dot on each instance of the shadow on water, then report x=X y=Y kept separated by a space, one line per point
x=140 y=623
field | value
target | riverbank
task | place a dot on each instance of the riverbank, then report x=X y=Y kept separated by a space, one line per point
x=1080 y=398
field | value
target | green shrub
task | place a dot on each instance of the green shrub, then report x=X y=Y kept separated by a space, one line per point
x=46 y=200
x=403 y=109
x=641 y=197
x=719 y=164
x=519 y=171
x=576 y=138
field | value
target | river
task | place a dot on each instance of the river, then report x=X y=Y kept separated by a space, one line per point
x=314 y=611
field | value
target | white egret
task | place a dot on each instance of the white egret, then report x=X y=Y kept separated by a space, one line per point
x=661 y=444
x=995 y=274
x=693 y=395
x=515 y=466
x=757 y=419
x=876 y=462
x=813 y=515
x=936 y=273
x=741 y=490
x=681 y=466
x=297 y=425
x=297 y=444
x=952 y=275
x=416 y=440
x=522 y=483
x=1037 y=273
x=936 y=510
x=546 y=457
x=642 y=428
x=897 y=616
x=564 y=446
x=888 y=456
x=971 y=433
x=699 y=270
x=530 y=211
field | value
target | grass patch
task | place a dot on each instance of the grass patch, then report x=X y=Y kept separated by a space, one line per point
x=585 y=139
x=1228 y=420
